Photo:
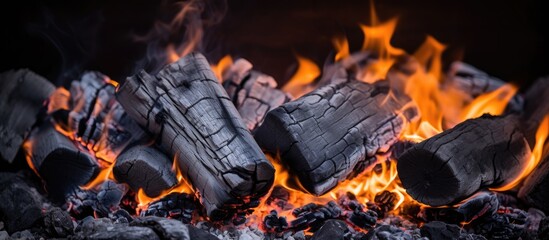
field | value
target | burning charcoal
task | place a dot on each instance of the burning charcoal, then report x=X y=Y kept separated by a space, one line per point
x=178 y=206
x=313 y=215
x=446 y=168
x=388 y=232
x=363 y=219
x=145 y=167
x=322 y=155
x=508 y=223
x=440 y=230
x=125 y=232
x=98 y=120
x=200 y=127
x=253 y=93
x=483 y=204
x=386 y=201
x=110 y=194
x=332 y=229
x=410 y=209
x=59 y=161
x=82 y=203
x=58 y=223
x=400 y=147
x=345 y=199
x=21 y=205
x=279 y=197
x=22 y=96
x=274 y=223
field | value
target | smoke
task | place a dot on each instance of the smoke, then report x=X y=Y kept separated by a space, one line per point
x=167 y=41
x=74 y=40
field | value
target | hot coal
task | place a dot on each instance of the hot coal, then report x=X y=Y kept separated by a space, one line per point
x=483 y=204
x=179 y=206
x=273 y=223
x=313 y=215
x=390 y=232
x=99 y=202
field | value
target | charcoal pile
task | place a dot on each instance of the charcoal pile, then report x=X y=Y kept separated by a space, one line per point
x=359 y=150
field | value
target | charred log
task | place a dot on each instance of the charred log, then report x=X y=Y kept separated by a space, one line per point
x=143 y=167
x=58 y=161
x=252 y=92
x=474 y=82
x=334 y=132
x=478 y=153
x=197 y=123
x=97 y=119
x=22 y=96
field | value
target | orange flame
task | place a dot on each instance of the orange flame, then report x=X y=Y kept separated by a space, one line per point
x=181 y=187
x=535 y=158
x=301 y=81
x=221 y=66
x=342 y=46
x=493 y=103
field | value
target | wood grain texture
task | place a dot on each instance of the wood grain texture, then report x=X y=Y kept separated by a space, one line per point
x=253 y=93
x=478 y=153
x=196 y=123
x=334 y=132
x=145 y=167
x=22 y=96
x=98 y=121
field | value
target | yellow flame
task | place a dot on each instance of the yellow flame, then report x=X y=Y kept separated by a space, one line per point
x=221 y=66
x=493 y=102
x=181 y=187
x=535 y=158
x=342 y=47
x=300 y=83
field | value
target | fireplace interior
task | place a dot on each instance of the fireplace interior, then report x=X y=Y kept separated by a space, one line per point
x=206 y=119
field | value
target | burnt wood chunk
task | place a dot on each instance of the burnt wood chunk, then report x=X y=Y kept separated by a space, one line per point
x=98 y=120
x=334 y=132
x=144 y=167
x=252 y=92
x=535 y=108
x=197 y=124
x=478 y=153
x=474 y=82
x=58 y=161
x=22 y=96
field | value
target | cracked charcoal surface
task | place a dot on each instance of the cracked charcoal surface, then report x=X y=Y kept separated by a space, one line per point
x=253 y=93
x=196 y=122
x=98 y=120
x=145 y=167
x=442 y=171
x=22 y=96
x=334 y=132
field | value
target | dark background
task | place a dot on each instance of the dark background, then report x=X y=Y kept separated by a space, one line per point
x=60 y=39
